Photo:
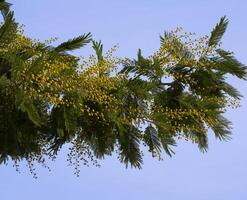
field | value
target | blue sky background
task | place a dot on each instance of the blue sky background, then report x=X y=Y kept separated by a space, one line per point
x=220 y=174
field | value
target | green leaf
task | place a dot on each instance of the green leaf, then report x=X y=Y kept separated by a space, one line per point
x=167 y=141
x=227 y=63
x=25 y=104
x=70 y=119
x=98 y=48
x=129 y=147
x=60 y=132
x=4 y=81
x=151 y=139
x=218 y=32
x=4 y=7
x=222 y=128
x=230 y=90
x=74 y=43
x=200 y=137
x=8 y=25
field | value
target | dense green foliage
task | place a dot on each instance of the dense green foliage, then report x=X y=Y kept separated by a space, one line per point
x=49 y=98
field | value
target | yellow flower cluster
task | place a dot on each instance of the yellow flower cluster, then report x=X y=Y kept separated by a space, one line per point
x=178 y=47
x=177 y=119
x=60 y=80
x=180 y=114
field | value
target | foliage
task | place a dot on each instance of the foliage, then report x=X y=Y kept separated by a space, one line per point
x=104 y=105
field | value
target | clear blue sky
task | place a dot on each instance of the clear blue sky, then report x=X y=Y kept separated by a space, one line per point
x=220 y=174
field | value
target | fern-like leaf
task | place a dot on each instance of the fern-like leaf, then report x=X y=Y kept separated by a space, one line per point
x=7 y=26
x=218 y=32
x=74 y=44
x=4 y=7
